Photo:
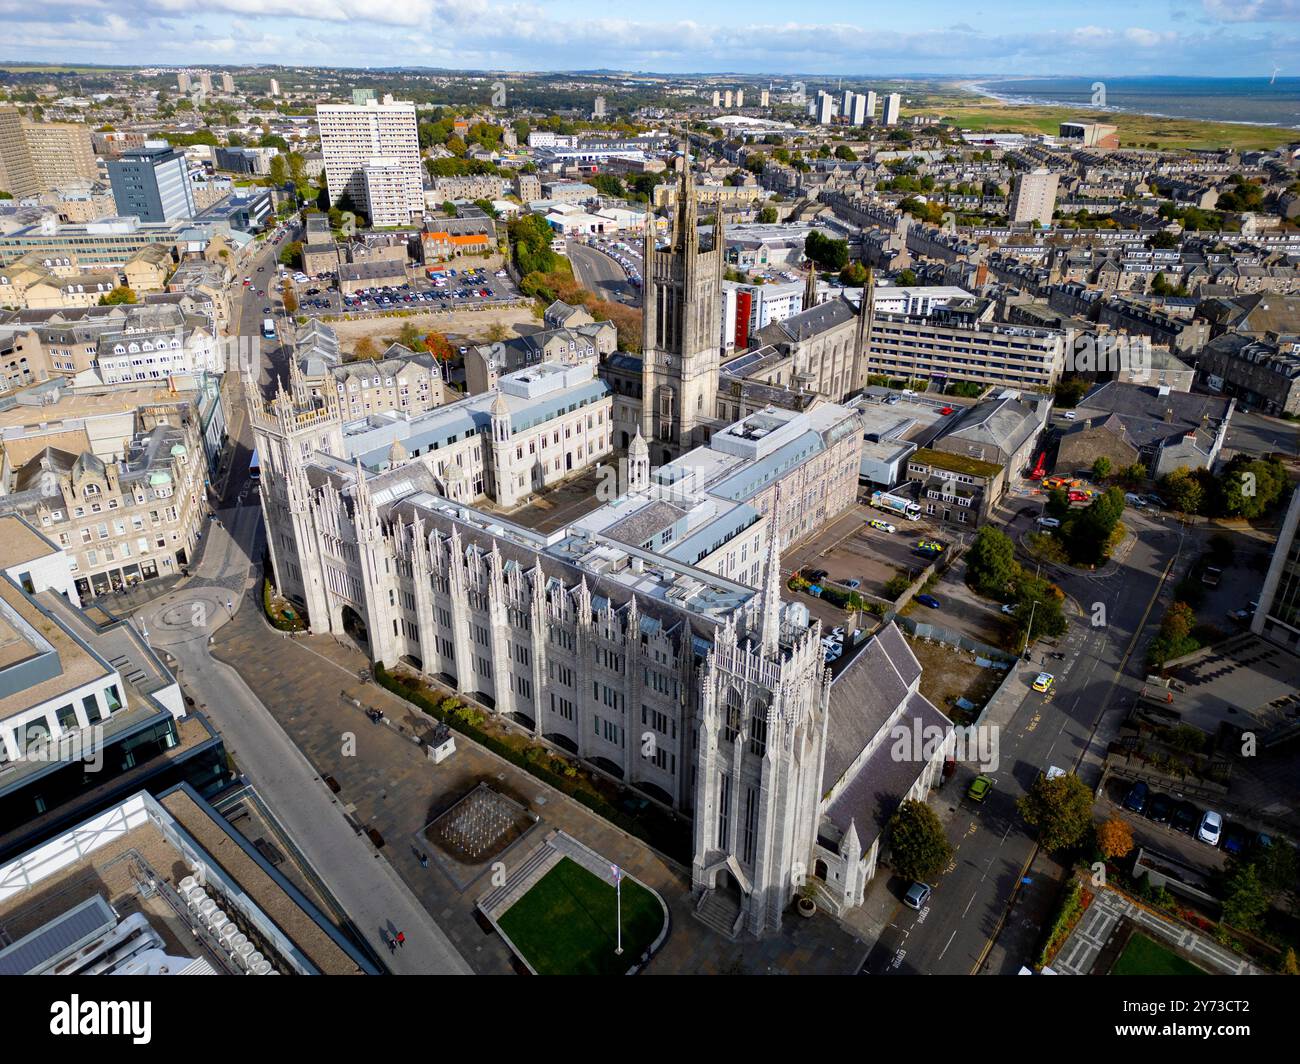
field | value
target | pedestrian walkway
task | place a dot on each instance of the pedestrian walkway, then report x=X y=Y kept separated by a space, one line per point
x=1105 y=917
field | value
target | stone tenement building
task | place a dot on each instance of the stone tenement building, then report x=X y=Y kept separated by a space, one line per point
x=120 y=521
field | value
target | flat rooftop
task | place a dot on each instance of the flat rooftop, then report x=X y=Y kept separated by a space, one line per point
x=137 y=868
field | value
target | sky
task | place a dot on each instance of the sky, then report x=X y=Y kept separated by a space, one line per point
x=967 y=38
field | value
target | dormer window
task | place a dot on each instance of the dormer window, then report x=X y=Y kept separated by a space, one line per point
x=90 y=490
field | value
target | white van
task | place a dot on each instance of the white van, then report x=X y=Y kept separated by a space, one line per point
x=1049 y=522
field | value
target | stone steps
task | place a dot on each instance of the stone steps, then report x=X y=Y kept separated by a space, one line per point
x=719 y=912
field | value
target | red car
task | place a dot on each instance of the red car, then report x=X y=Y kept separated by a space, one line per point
x=946 y=410
x=1079 y=496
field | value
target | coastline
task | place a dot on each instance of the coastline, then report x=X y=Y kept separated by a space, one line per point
x=981 y=90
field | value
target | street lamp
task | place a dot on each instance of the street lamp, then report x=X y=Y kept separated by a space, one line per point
x=1033 y=606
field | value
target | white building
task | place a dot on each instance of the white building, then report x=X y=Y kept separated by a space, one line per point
x=1033 y=199
x=381 y=134
x=893 y=103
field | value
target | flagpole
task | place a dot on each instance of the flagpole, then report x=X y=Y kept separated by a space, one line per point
x=618 y=894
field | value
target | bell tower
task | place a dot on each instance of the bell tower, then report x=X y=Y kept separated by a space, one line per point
x=681 y=330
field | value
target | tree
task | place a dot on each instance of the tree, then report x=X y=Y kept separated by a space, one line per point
x=919 y=848
x=1061 y=810
x=120 y=294
x=1245 y=899
x=1289 y=964
x=843 y=151
x=1088 y=532
x=365 y=350
x=826 y=252
x=291 y=254
x=767 y=215
x=991 y=562
x=1184 y=490
x=1101 y=468
x=907 y=279
x=497 y=332
x=1069 y=390
x=1058 y=504
x=410 y=337
x=278 y=172
x=1115 y=838
x=449 y=209
x=289 y=297
x=854 y=274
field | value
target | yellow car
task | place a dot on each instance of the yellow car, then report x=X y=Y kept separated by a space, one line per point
x=882 y=526
x=926 y=544
x=1043 y=682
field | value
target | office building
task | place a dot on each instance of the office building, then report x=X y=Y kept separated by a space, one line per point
x=382 y=135
x=893 y=104
x=1033 y=197
x=153 y=184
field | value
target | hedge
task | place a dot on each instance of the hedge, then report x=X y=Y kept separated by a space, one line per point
x=671 y=838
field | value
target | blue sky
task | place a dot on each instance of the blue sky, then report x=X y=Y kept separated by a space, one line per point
x=945 y=37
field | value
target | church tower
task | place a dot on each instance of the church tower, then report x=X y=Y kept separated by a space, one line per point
x=286 y=430
x=681 y=330
x=764 y=707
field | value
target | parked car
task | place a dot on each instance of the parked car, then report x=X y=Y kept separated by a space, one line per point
x=1185 y=818
x=852 y=585
x=946 y=410
x=1049 y=522
x=1008 y=609
x=928 y=544
x=1159 y=808
x=1211 y=828
x=1156 y=500
x=882 y=526
x=917 y=895
x=1043 y=682
x=1134 y=500
x=1138 y=796
x=1235 y=839
x=929 y=600
x=979 y=788
x=1070 y=415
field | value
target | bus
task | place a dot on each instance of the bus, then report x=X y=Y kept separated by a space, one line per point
x=268 y=328
x=255 y=468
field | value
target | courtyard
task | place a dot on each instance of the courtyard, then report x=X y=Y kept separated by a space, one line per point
x=567 y=923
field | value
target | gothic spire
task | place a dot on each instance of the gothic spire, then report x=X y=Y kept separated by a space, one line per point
x=772 y=583
x=810 y=287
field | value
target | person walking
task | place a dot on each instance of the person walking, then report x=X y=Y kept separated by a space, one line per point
x=401 y=938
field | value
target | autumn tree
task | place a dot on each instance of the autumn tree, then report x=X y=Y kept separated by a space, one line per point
x=1115 y=838
x=365 y=350
x=1061 y=810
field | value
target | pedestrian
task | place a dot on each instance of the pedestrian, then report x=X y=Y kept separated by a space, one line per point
x=401 y=938
x=392 y=944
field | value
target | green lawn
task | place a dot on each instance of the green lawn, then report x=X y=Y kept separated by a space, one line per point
x=565 y=925
x=1145 y=956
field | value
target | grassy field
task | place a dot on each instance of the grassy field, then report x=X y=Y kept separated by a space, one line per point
x=565 y=925
x=981 y=114
x=1145 y=956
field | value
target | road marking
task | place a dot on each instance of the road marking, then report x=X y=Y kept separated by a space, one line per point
x=947 y=944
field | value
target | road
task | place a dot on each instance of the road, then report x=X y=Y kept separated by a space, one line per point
x=182 y=623
x=601 y=275
x=971 y=924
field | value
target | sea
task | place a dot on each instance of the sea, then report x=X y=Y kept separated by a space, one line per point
x=1260 y=100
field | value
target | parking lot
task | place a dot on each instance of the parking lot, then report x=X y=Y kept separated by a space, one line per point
x=457 y=289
